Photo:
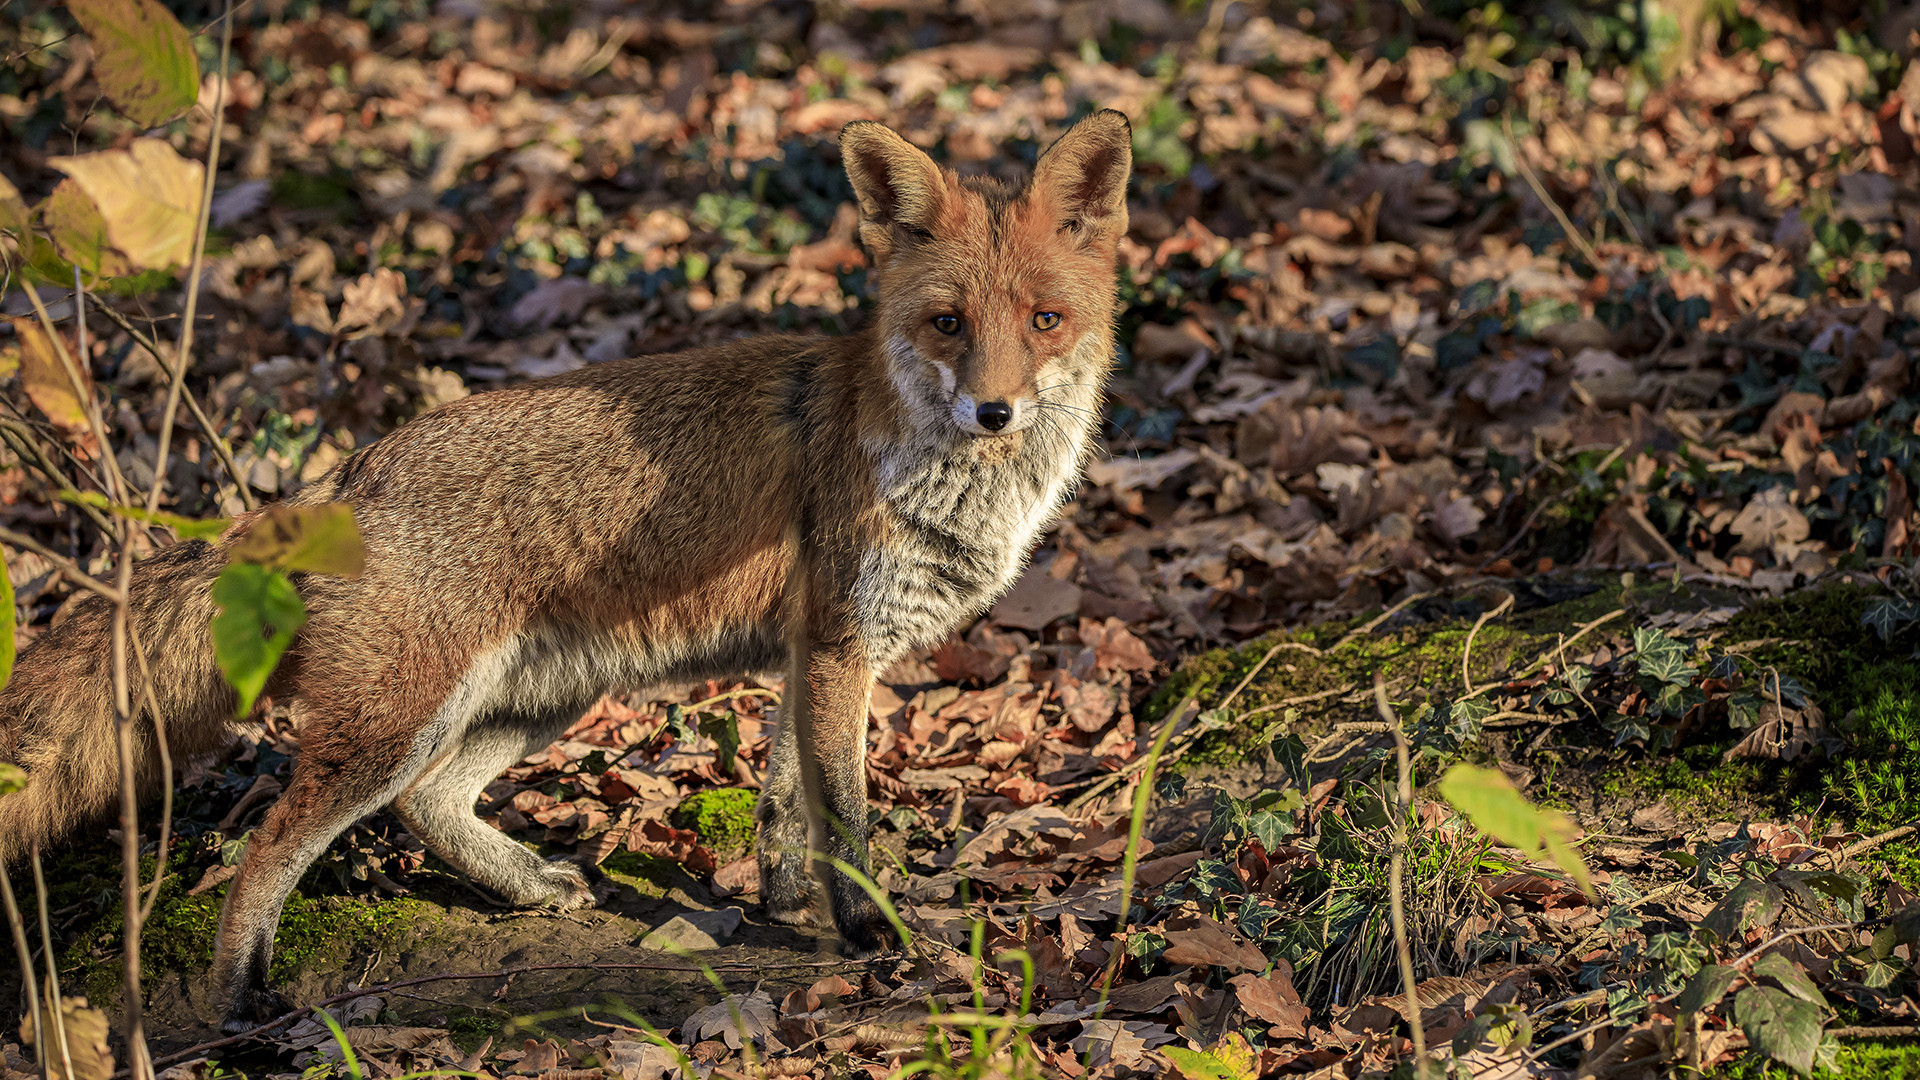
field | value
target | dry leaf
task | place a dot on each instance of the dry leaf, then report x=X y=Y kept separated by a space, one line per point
x=48 y=382
x=148 y=196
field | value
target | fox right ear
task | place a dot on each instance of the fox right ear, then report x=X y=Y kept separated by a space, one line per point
x=897 y=186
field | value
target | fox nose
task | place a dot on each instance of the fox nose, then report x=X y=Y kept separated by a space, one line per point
x=994 y=415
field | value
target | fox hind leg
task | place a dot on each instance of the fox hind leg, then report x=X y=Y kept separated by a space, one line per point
x=438 y=809
x=317 y=806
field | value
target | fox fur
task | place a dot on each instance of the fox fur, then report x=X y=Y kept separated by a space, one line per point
x=814 y=505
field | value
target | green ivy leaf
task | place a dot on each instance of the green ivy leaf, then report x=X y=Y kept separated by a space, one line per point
x=1678 y=951
x=1781 y=970
x=1751 y=903
x=143 y=59
x=1291 y=752
x=724 y=730
x=1887 y=615
x=1212 y=879
x=260 y=612
x=1779 y=1025
x=1270 y=829
x=1705 y=989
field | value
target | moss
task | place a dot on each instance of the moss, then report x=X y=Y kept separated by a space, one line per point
x=1817 y=638
x=722 y=816
x=326 y=930
x=1422 y=661
x=1867 y=1059
x=469 y=1031
x=178 y=935
x=652 y=876
x=1693 y=779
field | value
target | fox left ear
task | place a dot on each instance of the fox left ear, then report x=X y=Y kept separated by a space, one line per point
x=1084 y=174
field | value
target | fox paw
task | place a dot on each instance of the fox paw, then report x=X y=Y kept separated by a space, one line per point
x=802 y=915
x=573 y=887
x=253 y=1007
x=864 y=933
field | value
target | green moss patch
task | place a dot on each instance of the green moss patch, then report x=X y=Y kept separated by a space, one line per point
x=179 y=934
x=722 y=816
x=652 y=876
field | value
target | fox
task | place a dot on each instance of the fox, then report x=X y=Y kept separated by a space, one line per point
x=818 y=506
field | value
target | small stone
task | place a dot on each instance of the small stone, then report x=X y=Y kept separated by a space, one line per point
x=694 y=931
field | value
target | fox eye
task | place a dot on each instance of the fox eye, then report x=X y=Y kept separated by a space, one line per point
x=1046 y=320
x=947 y=324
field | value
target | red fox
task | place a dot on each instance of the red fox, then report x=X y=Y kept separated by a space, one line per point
x=818 y=505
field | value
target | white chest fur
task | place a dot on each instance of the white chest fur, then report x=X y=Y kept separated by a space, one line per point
x=963 y=526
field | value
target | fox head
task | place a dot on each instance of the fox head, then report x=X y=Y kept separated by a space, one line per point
x=994 y=303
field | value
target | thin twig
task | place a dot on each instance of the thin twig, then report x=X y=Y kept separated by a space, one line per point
x=1540 y=191
x=1380 y=618
x=207 y=429
x=21 y=438
x=24 y=953
x=183 y=354
x=1396 y=901
x=1541 y=660
x=1541 y=506
x=61 y=563
x=1262 y=666
x=116 y=484
x=54 y=1012
x=745 y=691
x=1289 y=703
x=1862 y=846
x=1856 y=1032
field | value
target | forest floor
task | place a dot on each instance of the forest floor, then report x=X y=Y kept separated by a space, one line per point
x=1548 y=367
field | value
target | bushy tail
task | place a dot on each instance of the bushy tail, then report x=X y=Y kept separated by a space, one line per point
x=56 y=714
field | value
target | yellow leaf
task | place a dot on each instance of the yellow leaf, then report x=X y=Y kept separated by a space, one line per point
x=79 y=233
x=316 y=539
x=44 y=377
x=148 y=196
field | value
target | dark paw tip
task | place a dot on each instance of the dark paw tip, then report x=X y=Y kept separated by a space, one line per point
x=253 y=1008
x=865 y=937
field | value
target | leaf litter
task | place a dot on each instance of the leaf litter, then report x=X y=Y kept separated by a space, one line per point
x=1428 y=321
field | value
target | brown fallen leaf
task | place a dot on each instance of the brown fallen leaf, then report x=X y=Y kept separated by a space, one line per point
x=1036 y=600
x=1273 y=999
x=1202 y=941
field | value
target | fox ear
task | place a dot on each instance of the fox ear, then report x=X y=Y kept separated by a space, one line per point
x=897 y=185
x=1084 y=174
